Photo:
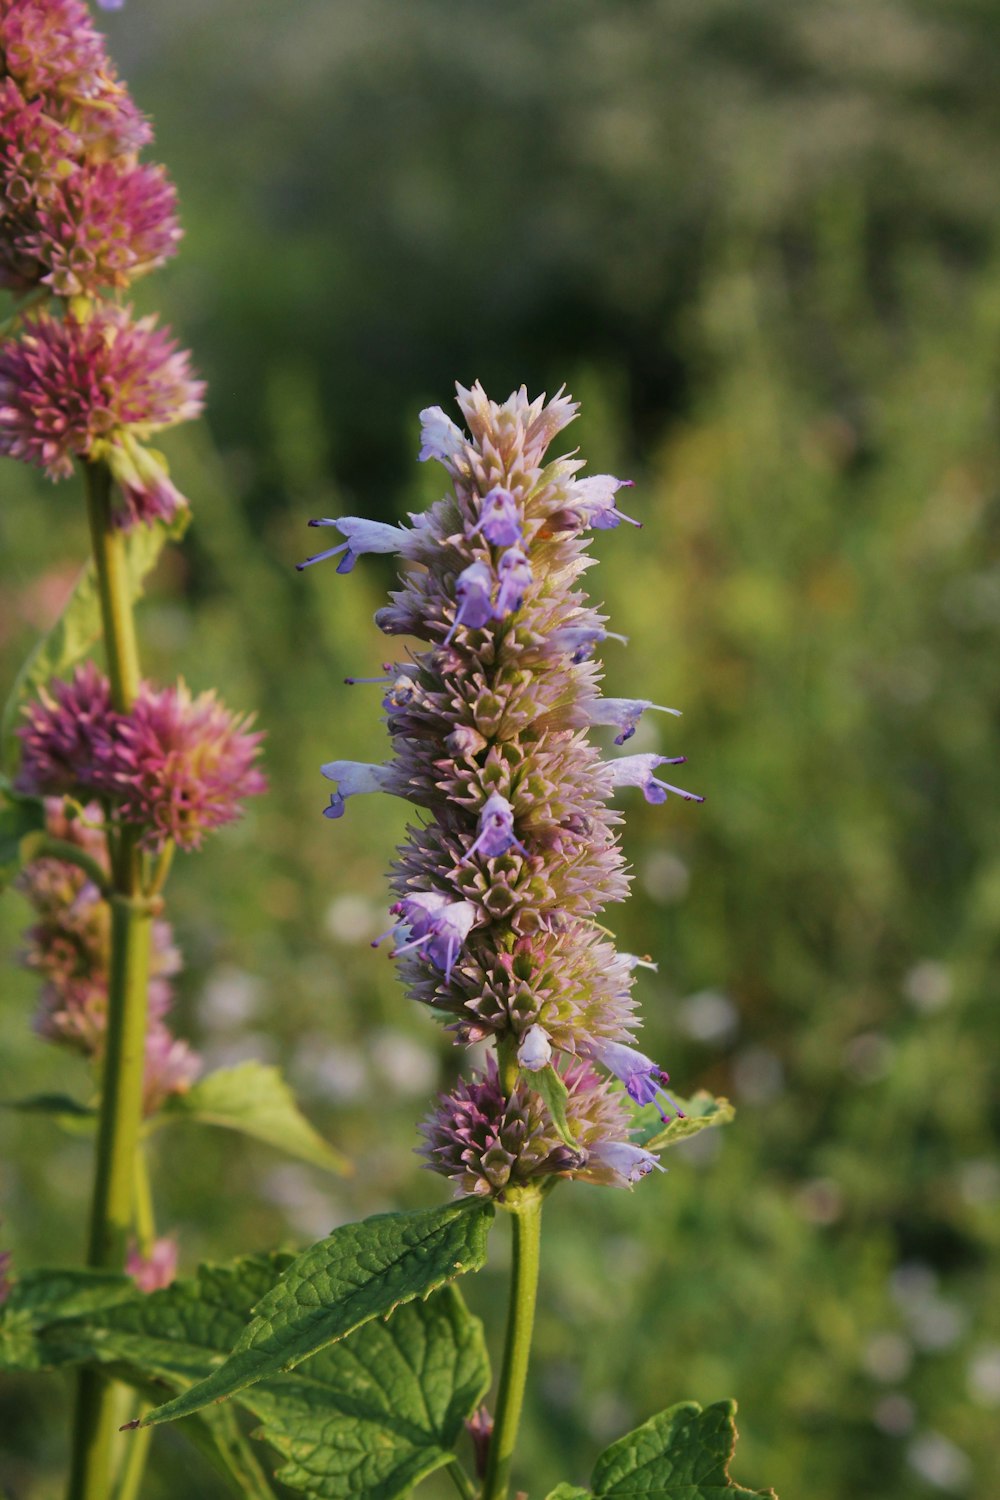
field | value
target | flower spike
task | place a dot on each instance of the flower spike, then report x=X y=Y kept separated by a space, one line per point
x=500 y=884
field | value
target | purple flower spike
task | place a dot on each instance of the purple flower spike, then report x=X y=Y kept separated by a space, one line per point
x=627 y=1164
x=500 y=935
x=642 y=1077
x=362 y=536
x=595 y=502
x=496 y=830
x=637 y=770
x=514 y=571
x=473 y=588
x=500 y=519
x=624 y=714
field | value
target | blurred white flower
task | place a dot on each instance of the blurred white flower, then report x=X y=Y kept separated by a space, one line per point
x=927 y=985
x=938 y=1460
x=709 y=1016
x=983 y=1375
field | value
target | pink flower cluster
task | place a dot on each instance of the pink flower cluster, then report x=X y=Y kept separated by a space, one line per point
x=80 y=213
x=174 y=767
x=94 y=390
x=69 y=947
x=80 y=216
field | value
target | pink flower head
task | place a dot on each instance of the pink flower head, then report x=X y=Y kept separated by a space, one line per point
x=67 y=738
x=51 y=48
x=182 y=765
x=155 y=1270
x=171 y=1067
x=37 y=154
x=108 y=223
x=5 y=1264
x=95 y=390
x=69 y=945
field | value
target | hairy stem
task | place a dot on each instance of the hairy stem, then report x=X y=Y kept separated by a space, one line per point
x=527 y=1217
x=118 y=1137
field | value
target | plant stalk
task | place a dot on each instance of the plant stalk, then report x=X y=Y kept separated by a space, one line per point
x=527 y=1217
x=120 y=1122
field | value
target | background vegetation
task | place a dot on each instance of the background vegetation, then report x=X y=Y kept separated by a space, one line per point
x=759 y=241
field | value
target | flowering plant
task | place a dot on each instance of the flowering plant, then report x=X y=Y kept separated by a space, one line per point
x=357 y=1357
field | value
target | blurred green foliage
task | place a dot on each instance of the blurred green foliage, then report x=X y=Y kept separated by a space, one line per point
x=759 y=241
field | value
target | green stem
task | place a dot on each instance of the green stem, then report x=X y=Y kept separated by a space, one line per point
x=108 y=543
x=118 y=1137
x=527 y=1216
x=459 y=1478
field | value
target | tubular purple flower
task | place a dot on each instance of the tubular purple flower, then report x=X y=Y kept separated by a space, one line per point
x=637 y=770
x=635 y=962
x=441 y=439
x=642 y=1077
x=473 y=595
x=500 y=884
x=362 y=536
x=594 y=500
x=580 y=641
x=534 y=1050
x=500 y=519
x=353 y=777
x=626 y=1163
x=431 y=922
x=624 y=714
x=496 y=830
x=514 y=572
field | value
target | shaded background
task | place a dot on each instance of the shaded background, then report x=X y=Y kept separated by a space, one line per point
x=759 y=241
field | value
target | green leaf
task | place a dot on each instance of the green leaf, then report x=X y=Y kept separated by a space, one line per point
x=377 y=1413
x=553 y=1090
x=255 y=1100
x=374 y=1413
x=39 y=1298
x=62 y=1108
x=20 y=817
x=700 y=1111
x=567 y=1492
x=359 y=1272
x=79 y=625
x=681 y=1454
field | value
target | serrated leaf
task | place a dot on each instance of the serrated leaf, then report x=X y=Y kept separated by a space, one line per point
x=377 y=1413
x=700 y=1111
x=359 y=1272
x=79 y=625
x=547 y=1082
x=372 y=1414
x=683 y=1453
x=254 y=1099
